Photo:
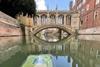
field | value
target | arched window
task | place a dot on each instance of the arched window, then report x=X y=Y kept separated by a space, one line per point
x=44 y=19
x=61 y=19
x=68 y=20
x=36 y=19
x=53 y=18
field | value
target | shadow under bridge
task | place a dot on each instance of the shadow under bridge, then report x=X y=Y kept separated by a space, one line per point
x=66 y=28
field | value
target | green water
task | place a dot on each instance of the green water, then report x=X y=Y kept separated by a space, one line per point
x=80 y=51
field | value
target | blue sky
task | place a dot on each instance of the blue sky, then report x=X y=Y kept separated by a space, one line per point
x=61 y=4
x=51 y=4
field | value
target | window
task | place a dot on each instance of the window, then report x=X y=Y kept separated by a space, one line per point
x=87 y=18
x=68 y=19
x=81 y=20
x=36 y=19
x=43 y=19
x=95 y=15
x=87 y=7
x=53 y=18
x=61 y=19
x=84 y=1
x=97 y=1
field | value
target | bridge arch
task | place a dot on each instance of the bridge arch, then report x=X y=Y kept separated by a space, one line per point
x=66 y=28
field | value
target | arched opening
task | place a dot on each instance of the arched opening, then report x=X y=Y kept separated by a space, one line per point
x=64 y=28
x=52 y=18
x=61 y=19
x=68 y=20
x=43 y=19
x=36 y=20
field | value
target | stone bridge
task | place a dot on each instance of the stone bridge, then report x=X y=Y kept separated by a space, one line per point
x=63 y=20
x=66 y=28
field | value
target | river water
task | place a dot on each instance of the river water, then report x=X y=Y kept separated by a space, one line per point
x=80 y=51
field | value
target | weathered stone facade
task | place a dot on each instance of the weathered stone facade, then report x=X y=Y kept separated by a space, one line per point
x=51 y=17
x=58 y=17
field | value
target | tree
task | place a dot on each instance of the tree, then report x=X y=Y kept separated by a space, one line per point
x=14 y=7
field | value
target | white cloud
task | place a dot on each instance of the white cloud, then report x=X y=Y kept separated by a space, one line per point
x=41 y=5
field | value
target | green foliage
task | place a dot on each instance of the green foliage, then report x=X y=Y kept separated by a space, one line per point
x=14 y=7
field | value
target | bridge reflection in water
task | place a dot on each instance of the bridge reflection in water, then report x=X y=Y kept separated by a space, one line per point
x=71 y=52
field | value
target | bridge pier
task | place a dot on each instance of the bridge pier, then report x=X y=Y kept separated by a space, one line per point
x=60 y=34
x=28 y=31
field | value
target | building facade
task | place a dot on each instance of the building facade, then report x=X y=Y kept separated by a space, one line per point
x=90 y=12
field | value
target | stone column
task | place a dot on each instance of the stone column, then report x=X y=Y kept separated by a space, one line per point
x=48 y=18
x=64 y=19
x=75 y=21
x=56 y=17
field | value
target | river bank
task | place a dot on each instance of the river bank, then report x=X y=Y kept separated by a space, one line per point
x=90 y=31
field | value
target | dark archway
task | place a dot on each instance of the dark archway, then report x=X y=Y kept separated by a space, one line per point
x=66 y=28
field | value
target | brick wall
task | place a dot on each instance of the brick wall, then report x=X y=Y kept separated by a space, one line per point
x=97 y=15
x=90 y=13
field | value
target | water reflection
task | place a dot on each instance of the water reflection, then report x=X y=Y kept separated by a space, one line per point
x=52 y=34
x=40 y=46
x=38 y=61
x=8 y=47
x=70 y=52
x=10 y=52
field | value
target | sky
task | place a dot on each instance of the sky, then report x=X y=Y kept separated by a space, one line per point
x=52 y=4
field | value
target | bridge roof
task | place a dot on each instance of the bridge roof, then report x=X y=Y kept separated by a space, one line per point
x=55 y=11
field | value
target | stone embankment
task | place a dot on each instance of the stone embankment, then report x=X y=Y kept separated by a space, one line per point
x=9 y=26
x=90 y=31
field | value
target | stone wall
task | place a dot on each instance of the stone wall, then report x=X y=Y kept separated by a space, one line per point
x=75 y=21
x=90 y=31
x=9 y=26
x=9 y=46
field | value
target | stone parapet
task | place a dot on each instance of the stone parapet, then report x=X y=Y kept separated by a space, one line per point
x=90 y=31
x=9 y=26
x=8 y=20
